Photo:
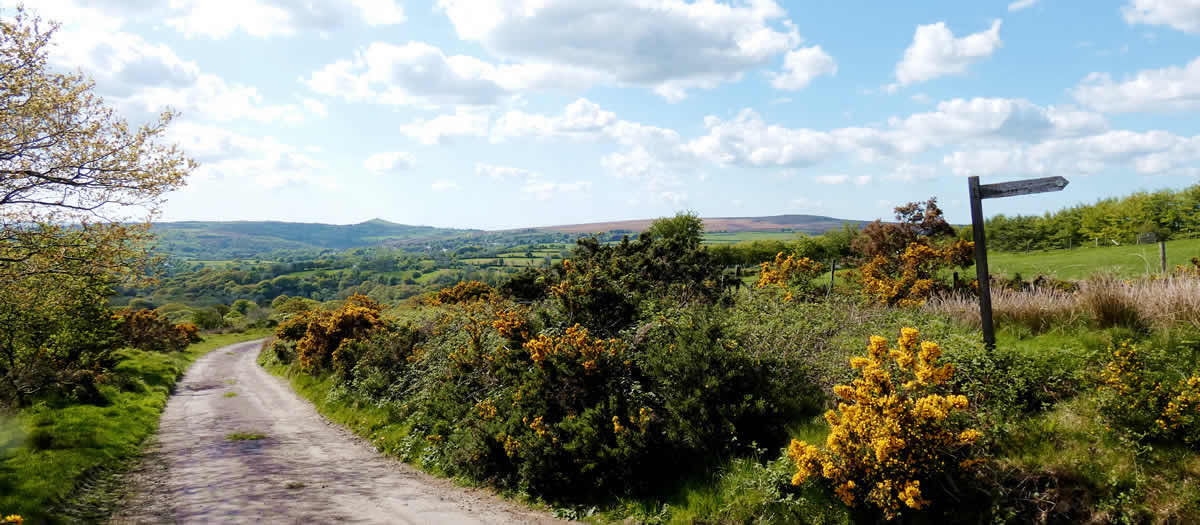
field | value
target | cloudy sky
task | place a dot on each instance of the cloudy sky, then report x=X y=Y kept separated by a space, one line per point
x=507 y=113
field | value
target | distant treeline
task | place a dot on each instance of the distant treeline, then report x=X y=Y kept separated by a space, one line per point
x=1140 y=217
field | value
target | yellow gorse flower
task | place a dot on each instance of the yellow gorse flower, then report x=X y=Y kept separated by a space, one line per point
x=783 y=271
x=887 y=435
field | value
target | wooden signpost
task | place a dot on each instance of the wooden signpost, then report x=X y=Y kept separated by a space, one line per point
x=996 y=191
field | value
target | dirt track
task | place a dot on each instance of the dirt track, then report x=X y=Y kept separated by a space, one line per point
x=305 y=469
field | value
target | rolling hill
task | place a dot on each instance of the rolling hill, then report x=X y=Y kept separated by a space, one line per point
x=214 y=240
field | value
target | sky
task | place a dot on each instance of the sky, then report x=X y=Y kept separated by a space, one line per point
x=511 y=113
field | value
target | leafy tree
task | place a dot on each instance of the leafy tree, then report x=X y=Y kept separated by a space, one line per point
x=71 y=174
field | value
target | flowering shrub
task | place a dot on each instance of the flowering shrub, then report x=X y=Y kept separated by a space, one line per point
x=909 y=278
x=464 y=291
x=791 y=274
x=147 y=330
x=894 y=437
x=324 y=340
x=1140 y=395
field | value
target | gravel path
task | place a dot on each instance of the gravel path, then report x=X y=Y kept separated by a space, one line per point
x=305 y=469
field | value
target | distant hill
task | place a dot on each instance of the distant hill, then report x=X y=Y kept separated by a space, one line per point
x=209 y=240
x=229 y=240
x=811 y=224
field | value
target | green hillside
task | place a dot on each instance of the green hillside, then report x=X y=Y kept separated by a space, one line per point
x=231 y=240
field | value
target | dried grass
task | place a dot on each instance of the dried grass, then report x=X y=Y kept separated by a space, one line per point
x=1161 y=302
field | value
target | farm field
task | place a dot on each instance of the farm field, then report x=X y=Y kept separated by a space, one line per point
x=1079 y=263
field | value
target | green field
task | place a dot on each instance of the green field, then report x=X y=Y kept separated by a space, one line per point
x=1079 y=263
x=736 y=237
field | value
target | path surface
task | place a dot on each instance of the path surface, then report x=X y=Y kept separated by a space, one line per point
x=305 y=470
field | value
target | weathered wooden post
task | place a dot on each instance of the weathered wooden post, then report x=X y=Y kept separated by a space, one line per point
x=995 y=191
x=832 y=270
x=1162 y=255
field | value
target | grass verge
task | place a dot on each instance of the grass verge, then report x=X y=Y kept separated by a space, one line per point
x=50 y=453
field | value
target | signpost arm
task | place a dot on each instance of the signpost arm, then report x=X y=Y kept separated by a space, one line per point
x=981 y=266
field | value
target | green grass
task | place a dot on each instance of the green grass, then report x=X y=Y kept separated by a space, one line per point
x=245 y=436
x=229 y=394
x=736 y=237
x=1079 y=263
x=48 y=450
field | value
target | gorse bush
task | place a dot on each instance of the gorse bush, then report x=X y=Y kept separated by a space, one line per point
x=149 y=331
x=910 y=278
x=1154 y=391
x=894 y=442
x=462 y=292
x=321 y=338
x=793 y=275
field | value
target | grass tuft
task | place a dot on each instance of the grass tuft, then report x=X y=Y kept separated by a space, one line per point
x=245 y=436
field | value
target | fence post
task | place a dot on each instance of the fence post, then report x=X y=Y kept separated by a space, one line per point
x=981 y=265
x=832 y=269
x=1162 y=254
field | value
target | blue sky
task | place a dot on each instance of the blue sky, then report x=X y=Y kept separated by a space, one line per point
x=509 y=113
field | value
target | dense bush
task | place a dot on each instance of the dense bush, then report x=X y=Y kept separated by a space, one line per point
x=793 y=275
x=1153 y=390
x=149 y=331
x=562 y=412
x=895 y=441
x=321 y=338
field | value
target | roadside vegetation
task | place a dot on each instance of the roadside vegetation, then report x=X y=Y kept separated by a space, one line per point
x=638 y=380
x=58 y=446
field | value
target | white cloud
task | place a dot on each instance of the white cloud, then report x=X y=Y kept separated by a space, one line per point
x=265 y=161
x=1146 y=153
x=580 y=120
x=935 y=52
x=465 y=122
x=142 y=79
x=415 y=73
x=389 y=162
x=1021 y=4
x=444 y=185
x=1168 y=89
x=268 y=18
x=670 y=46
x=503 y=172
x=315 y=107
x=1183 y=15
x=801 y=66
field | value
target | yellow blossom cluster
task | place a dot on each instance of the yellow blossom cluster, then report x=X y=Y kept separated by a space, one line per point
x=784 y=272
x=537 y=426
x=14 y=519
x=511 y=446
x=891 y=431
x=575 y=342
x=485 y=409
x=463 y=292
x=512 y=323
x=1176 y=406
x=909 y=279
